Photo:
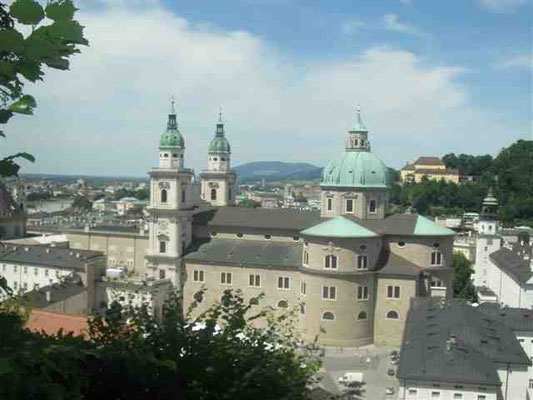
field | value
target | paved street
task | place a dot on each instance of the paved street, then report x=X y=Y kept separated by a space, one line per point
x=372 y=361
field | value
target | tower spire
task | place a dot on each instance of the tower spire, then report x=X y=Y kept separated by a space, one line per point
x=172 y=123
x=220 y=116
x=220 y=124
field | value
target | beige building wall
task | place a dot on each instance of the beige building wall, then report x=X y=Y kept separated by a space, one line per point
x=389 y=332
x=74 y=305
x=361 y=202
x=122 y=250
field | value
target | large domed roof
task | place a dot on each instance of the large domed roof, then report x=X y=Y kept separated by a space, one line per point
x=356 y=169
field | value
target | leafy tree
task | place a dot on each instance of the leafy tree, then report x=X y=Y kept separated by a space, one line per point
x=247 y=203
x=22 y=57
x=81 y=203
x=129 y=355
x=463 y=287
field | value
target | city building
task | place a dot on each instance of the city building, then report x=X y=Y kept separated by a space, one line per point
x=218 y=182
x=12 y=216
x=429 y=167
x=452 y=350
x=350 y=269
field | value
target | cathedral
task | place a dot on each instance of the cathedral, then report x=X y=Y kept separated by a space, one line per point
x=351 y=269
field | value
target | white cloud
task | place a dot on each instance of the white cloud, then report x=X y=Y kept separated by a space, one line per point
x=106 y=115
x=351 y=26
x=518 y=61
x=392 y=23
x=502 y=6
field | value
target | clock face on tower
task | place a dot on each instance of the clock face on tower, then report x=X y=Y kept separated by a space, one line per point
x=163 y=227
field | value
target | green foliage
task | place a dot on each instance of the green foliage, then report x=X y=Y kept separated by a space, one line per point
x=130 y=355
x=23 y=57
x=140 y=194
x=462 y=273
x=247 y=203
x=81 y=203
x=510 y=174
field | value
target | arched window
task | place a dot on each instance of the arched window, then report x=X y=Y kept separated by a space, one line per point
x=361 y=316
x=306 y=257
x=436 y=258
x=183 y=194
x=328 y=316
x=162 y=246
x=213 y=194
x=392 y=315
x=372 y=207
x=283 y=304
x=362 y=262
x=229 y=194
x=302 y=309
x=164 y=196
x=330 y=262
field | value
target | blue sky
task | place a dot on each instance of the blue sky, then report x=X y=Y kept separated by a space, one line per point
x=432 y=77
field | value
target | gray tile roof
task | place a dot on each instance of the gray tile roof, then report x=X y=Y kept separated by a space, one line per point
x=395 y=224
x=517 y=319
x=271 y=220
x=71 y=286
x=513 y=264
x=47 y=256
x=480 y=342
x=249 y=253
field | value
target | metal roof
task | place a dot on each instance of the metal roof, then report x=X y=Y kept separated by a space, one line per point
x=509 y=261
x=249 y=253
x=517 y=319
x=339 y=227
x=456 y=343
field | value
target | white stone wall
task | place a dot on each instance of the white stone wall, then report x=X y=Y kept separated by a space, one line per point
x=482 y=268
x=20 y=276
x=514 y=379
x=424 y=390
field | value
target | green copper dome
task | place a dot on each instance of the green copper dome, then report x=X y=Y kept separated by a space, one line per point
x=356 y=169
x=172 y=137
x=219 y=144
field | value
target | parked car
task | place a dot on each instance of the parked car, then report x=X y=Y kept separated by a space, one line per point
x=389 y=391
x=390 y=372
x=351 y=378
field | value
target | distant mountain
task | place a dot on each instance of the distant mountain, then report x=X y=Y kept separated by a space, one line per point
x=277 y=171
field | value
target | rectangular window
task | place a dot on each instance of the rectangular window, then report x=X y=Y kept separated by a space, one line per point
x=435 y=395
x=161 y=274
x=225 y=278
x=362 y=262
x=254 y=280
x=45 y=272
x=15 y=285
x=457 y=396
x=481 y=397
x=303 y=288
x=330 y=204
x=162 y=246
x=436 y=258
x=362 y=293
x=25 y=270
x=284 y=283
x=198 y=275
x=36 y=286
x=15 y=268
x=329 y=292
x=393 y=292
x=36 y=271
x=349 y=206
x=412 y=392
x=4 y=268
x=306 y=257
x=530 y=381
x=25 y=286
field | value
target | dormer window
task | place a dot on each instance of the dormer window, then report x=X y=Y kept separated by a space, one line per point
x=372 y=207
x=330 y=262
x=165 y=155
x=436 y=258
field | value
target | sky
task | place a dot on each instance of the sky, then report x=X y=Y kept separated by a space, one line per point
x=431 y=77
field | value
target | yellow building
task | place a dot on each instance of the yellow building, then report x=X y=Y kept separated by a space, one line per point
x=430 y=167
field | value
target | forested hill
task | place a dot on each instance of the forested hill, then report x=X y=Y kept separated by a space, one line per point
x=510 y=174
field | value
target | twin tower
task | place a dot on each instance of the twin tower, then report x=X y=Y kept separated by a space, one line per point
x=218 y=182
x=174 y=195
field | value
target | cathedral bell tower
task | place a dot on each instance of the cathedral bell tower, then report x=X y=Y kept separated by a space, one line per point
x=170 y=209
x=488 y=219
x=218 y=181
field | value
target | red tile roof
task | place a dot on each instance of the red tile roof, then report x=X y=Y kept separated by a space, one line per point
x=51 y=323
x=429 y=161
